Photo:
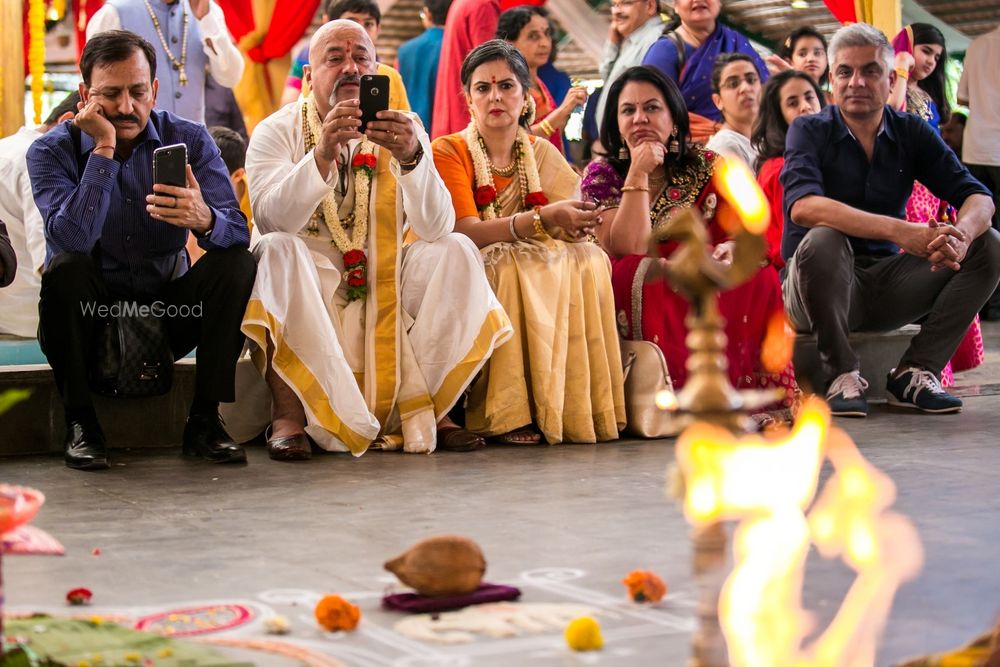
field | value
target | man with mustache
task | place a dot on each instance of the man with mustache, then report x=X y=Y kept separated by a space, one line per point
x=358 y=336
x=848 y=173
x=113 y=235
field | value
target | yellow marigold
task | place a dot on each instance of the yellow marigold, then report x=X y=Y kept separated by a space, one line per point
x=133 y=657
x=645 y=586
x=165 y=652
x=584 y=634
x=335 y=613
x=83 y=663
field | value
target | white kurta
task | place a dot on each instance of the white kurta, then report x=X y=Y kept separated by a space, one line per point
x=19 y=300
x=396 y=362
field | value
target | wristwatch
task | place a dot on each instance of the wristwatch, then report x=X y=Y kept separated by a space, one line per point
x=409 y=166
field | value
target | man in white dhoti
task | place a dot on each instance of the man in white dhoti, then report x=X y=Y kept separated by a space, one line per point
x=358 y=336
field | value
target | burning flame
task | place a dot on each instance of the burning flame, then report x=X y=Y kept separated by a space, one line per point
x=737 y=184
x=768 y=485
x=779 y=341
x=666 y=400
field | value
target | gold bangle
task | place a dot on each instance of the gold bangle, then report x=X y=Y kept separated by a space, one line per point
x=537 y=222
x=902 y=73
x=547 y=127
x=635 y=188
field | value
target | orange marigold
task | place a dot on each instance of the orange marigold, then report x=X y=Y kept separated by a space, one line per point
x=645 y=586
x=335 y=613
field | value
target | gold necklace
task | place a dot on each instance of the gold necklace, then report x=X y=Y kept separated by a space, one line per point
x=505 y=172
x=178 y=64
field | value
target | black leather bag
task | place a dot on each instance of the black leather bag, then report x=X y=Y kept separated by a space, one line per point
x=134 y=359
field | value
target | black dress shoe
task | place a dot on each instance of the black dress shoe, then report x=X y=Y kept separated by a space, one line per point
x=85 y=447
x=290 y=448
x=205 y=437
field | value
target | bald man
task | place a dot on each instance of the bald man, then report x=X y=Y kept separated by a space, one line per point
x=360 y=338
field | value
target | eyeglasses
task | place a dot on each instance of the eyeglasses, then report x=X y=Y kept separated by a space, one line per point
x=621 y=4
x=734 y=82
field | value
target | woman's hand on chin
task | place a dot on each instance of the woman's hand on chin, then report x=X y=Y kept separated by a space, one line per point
x=647 y=157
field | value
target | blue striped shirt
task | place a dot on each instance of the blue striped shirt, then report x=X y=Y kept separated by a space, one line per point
x=106 y=203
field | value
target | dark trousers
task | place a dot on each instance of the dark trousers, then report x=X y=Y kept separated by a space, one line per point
x=831 y=292
x=989 y=175
x=220 y=282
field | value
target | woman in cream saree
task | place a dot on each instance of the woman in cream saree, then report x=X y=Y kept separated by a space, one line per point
x=560 y=376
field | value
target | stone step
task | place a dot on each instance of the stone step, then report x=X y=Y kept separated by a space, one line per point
x=36 y=425
x=879 y=353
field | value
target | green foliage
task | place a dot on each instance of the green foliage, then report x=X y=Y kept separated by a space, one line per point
x=9 y=399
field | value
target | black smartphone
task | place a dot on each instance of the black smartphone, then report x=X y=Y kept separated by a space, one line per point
x=374 y=97
x=169 y=164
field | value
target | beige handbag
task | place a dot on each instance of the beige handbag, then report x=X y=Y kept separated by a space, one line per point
x=646 y=375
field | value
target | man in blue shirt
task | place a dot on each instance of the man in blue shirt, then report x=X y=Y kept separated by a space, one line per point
x=417 y=60
x=848 y=173
x=113 y=235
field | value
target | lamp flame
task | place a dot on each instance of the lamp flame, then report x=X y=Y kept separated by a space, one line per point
x=768 y=484
x=779 y=343
x=666 y=400
x=736 y=183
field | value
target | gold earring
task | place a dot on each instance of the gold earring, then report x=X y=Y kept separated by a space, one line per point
x=674 y=146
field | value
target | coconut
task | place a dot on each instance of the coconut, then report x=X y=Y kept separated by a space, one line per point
x=440 y=566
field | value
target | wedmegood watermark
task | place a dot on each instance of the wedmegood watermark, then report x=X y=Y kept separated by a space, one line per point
x=136 y=309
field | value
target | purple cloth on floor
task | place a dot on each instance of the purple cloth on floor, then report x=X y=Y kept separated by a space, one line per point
x=415 y=603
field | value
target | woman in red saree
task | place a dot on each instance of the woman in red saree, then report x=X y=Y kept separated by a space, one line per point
x=652 y=172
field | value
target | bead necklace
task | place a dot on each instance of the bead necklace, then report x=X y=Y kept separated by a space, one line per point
x=178 y=64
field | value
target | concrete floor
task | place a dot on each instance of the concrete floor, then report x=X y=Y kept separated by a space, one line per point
x=564 y=523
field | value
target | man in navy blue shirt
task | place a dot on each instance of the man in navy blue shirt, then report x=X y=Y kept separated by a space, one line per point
x=112 y=235
x=848 y=173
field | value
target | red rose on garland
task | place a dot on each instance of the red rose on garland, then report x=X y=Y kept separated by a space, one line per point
x=365 y=162
x=354 y=257
x=79 y=596
x=536 y=199
x=485 y=195
x=356 y=263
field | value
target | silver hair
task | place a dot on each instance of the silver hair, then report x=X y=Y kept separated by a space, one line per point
x=861 y=34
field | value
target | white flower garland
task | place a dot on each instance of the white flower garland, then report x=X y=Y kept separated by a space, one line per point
x=527 y=167
x=362 y=188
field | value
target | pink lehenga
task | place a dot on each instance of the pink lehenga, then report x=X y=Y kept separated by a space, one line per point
x=921 y=208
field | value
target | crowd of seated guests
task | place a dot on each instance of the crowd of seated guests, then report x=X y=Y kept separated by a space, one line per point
x=352 y=231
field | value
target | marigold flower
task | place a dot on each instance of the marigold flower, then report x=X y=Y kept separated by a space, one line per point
x=334 y=613
x=584 y=634
x=645 y=586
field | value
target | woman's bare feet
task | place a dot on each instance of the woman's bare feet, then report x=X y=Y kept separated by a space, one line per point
x=526 y=435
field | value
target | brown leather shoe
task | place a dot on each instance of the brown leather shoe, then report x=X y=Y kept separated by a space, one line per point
x=457 y=439
x=291 y=448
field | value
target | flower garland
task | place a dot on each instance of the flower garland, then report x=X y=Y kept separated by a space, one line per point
x=36 y=54
x=363 y=166
x=485 y=193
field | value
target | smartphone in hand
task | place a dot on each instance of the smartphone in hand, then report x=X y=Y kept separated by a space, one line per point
x=169 y=164
x=374 y=97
